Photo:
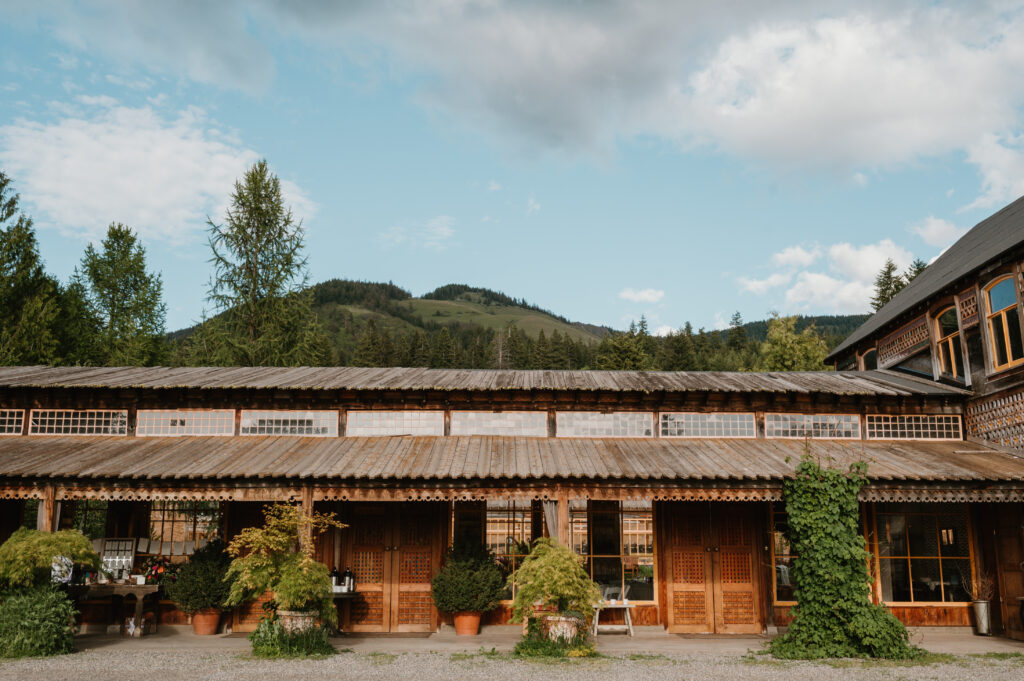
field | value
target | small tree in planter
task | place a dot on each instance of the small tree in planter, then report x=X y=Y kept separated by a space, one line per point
x=552 y=578
x=201 y=589
x=272 y=558
x=470 y=583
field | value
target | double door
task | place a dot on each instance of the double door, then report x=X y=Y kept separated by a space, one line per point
x=394 y=549
x=712 y=575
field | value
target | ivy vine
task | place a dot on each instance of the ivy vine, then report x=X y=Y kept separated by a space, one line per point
x=834 y=616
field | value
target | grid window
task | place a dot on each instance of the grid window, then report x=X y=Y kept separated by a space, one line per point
x=951 y=359
x=616 y=540
x=830 y=426
x=596 y=424
x=783 y=557
x=384 y=423
x=708 y=425
x=177 y=528
x=88 y=516
x=68 y=422
x=172 y=422
x=318 y=423
x=923 y=553
x=521 y=423
x=925 y=427
x=510 y=528
x=11 y=421
x=1004 y=324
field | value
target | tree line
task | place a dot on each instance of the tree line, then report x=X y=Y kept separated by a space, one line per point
x=263 y=313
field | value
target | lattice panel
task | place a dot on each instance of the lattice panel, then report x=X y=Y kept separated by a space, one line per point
x=737 y=607
x=689 y=607
x=734 y=532
x=369 y=530
x=414 y=567
x=688 y=567
x=998 y=419
x=414 y=607
x=687 y=532
x=368 y=608
x=368 y=566
x=903 y=343
x=968 y=309
x=735 y=567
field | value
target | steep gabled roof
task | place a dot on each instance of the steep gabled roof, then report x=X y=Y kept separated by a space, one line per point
x=984 y=243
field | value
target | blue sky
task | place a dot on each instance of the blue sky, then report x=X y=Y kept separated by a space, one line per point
x=603 y=159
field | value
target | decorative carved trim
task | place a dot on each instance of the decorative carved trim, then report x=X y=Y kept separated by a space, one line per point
x=968 y=301
x=998 y=495
x=904 y=342
x=997 y=418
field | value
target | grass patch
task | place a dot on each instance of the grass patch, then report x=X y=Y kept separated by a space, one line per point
x=382 y=658
x=998 y=656
x=923 y=660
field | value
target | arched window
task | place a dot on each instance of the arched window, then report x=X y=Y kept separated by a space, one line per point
x=1004 y=324
x=950 y=353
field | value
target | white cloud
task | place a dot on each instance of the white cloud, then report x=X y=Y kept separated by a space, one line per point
x=663 y=330
x=796 y=256
x=817 y=291
x=762 y=286
x=1000 y=160
x=532 y=206
x=435 y=234
x=493 y=186
x=861 y=263
x=860 y=179
x=647 y=295
x=106 y=162
x=938 y=232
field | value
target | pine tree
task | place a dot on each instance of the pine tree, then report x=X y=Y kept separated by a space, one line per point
x=78 y=326
x=916 y=268
x=887 y=284
x=259 y=279
x=540 y=352
x=736 y=338
x=786 y=350
x=624 y=351
x=420 y=350
x=677 y=351
x=127 y=299
x=442 y=355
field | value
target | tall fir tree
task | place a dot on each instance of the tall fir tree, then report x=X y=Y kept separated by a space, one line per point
x=266 y=315
x=78 y=326
x=916 y=268
x=442 y=355
x=888 y=283
x=127 y=298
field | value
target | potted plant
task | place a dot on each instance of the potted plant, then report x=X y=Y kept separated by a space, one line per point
x=278 y=558
x=552 y=579
x=469 y=584
x=201 y=588
x=981 y=590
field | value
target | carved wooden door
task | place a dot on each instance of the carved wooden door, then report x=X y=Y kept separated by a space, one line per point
x=735 y=572
x=370 y=536
x=690 y=596
x=413 y=564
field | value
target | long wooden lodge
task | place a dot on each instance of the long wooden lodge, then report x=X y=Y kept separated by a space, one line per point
x=669 y=485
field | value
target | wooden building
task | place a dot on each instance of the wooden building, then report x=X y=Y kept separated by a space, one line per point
x=668 y=484
x=960 y=323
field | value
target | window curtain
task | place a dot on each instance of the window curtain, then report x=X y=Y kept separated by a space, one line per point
x=551 y=517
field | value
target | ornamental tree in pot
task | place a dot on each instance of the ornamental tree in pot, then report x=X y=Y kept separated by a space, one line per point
x=469 y=584
x=552 y=578
x=278 y=557
x=201 y=588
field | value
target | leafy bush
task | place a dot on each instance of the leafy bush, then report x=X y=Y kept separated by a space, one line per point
x=27 y=556
x=535 y=644
x=553 y=576
x=271 y=640
x=470 y=581
x=833 y=616
x=201 y=583
x=36 y=621
x=268 y=558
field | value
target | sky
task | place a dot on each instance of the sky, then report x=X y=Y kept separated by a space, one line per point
x=604 y=160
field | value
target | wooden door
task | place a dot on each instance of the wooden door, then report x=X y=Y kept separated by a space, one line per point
x=414 y=561
x=1009 y=548
x=712 y=574
x=370 y=535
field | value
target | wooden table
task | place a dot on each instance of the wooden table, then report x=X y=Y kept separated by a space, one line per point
x=595 y=627
x=346 y=597
x=140 y=591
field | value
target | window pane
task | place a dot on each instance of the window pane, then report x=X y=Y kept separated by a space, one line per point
x=895 y=579
x=999 y=339
x=892 y=535
x=953 y=535
x=955 y=575
x=91 y=518
x=925 y=573
x=957 y=353
x=604 y=534
x=579 y=527
x=1001 y=295
x=922 y=536
x=1013 y=326
x=947 y=323
x=639 y=576
x=784 y=578
x=608 y=575
x=596 y=424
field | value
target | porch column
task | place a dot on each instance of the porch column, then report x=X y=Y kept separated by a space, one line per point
x=563 y=517
x=306 y=534
x=46 y=513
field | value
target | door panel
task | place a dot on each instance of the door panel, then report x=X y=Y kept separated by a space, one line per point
x=736 y=600
x=690 y=606
x=412 y=556
x=370 y=531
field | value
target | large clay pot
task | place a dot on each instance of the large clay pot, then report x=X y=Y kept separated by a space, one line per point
x=467 y=623
x=205 y=622
x=562 y=627
x=297 y=620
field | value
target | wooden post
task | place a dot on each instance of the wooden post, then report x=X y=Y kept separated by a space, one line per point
x=306 y=533
x=563 y=518
x=47 y=510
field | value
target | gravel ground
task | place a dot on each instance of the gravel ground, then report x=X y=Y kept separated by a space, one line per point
x=192 y=665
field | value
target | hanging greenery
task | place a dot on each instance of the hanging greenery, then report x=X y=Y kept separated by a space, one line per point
x=834 y=616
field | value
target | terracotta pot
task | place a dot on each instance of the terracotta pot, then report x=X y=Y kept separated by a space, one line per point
x=297 y=620
x=205 y=622
x=467 y=623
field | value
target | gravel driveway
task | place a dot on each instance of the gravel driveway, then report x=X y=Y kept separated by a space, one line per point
x=186 y=665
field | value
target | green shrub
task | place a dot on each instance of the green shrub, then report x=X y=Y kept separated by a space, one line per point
x=470 y=581
x=533 y=644
x=271 y=640
x=201 y=583
x=35 y=622
x=834 y=616
x=26 y=557
x=553 y=576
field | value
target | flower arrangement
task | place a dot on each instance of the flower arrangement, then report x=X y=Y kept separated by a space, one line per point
x=160 y=570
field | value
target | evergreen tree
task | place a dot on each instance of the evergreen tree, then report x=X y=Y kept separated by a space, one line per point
x=916 y=268
x=888 y=283
x=442 y=355
x=786 y=350
x=677 y=351
x=368 y=347
x=78 y=326
x=623 y=351
x=420 y=350
x=259 y=280
x=127 y=299
x=540 y=352
x=28 y=296
x=736 y=338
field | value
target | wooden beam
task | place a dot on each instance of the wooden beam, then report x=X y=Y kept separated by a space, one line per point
x=45 y=515
x=563 y=517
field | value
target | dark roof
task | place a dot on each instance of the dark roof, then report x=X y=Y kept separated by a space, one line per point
x=349 y=378
x=486 y=458
x=985 y=242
